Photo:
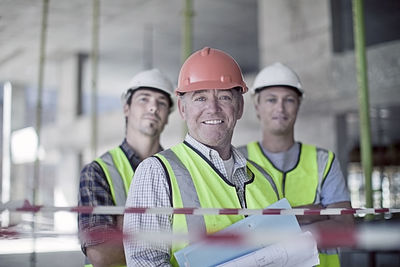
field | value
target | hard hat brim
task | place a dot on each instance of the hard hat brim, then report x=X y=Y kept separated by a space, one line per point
x=210 y=85
x=130 y=91
x=299 y=91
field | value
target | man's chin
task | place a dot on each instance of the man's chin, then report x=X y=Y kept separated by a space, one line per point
x=213 y=141
x=280 y=131
x=150 y=132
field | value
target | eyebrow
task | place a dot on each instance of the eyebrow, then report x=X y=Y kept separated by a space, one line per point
x=198 y=92
x=203 y=91
x=161 y=96
x=275 y=95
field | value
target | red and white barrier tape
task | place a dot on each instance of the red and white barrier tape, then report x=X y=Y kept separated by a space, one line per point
x=119 y=210
x=372 y=237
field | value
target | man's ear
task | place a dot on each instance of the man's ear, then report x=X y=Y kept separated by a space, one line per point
x=256 y=102
x=298 y=106
x=241 y=106
x=126 y=110
x=181 y=107
x=167 y=120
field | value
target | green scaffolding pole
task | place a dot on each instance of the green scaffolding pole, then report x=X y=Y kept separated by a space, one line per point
x=187 y=37
x=362 y=80
x=187 y=30
x=95 y=57
x=39 y=99
x=39 y=104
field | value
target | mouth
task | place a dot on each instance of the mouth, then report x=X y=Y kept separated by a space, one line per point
x=213 y=122
x=280 y=117
x=151 y=118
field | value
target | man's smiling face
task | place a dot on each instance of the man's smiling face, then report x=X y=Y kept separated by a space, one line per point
x=211 y=115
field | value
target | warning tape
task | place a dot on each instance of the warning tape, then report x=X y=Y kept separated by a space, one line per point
x=371 y=237
x=120 y=210
x=377 y=237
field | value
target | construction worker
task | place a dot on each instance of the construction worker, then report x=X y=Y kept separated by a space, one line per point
x=308 y=176
x=147 y=102
x=203 y=171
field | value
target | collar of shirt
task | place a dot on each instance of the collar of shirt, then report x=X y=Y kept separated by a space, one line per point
x=285 y=160
x=131 y=154
x=213 y=156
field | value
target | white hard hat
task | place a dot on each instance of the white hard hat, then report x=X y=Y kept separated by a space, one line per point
x=154 y=79
x=277 y=74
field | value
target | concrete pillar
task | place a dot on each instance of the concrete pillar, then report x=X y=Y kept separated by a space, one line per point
x=66 y=158
x=297 y=33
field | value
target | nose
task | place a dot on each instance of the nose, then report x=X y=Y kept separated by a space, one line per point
x=281 y=105
x=213 y=105
x=153 y=106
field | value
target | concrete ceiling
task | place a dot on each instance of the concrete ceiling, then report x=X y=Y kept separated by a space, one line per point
x=134 y=35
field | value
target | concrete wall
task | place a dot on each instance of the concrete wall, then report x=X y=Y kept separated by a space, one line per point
x=298 y=33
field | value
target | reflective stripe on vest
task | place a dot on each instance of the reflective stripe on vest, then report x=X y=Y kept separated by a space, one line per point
x=302 y=184
x=266 y=176
x=195 y=182
x=324 y=161
x=186 y=190
x=310 y=172
x=118 y=172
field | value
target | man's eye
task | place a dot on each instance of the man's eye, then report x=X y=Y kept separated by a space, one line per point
x=200 y=98
x=226 y=97
x=142 y=99
x=271 y=100
x=163 y=104
x=290 y=100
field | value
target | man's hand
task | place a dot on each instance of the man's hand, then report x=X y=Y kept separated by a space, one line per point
x=109 y=253
x=326 y=221
x=307 y=219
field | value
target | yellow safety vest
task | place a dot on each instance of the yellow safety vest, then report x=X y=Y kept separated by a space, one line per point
x=301 y=185
x=196 y=182
x=119 y=173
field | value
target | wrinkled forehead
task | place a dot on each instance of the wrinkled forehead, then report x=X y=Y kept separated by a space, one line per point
x=213 y=91
x=216 y=91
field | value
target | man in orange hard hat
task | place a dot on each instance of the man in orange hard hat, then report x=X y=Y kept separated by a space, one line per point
x=306 y=175
x=147 y=102
x=203 y=171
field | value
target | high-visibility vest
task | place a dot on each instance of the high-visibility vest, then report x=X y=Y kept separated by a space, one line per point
x=196 y=182
x=119 y=173
x=302 y=184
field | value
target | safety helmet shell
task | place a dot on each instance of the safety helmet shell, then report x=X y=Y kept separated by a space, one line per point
x=277 y=74
x=210 y=68
x=153 y=79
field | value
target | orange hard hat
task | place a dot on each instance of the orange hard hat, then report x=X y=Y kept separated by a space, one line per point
x=210 y=68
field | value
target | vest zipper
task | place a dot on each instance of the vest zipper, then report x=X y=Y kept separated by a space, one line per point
x=238 y=198
x=283 y=184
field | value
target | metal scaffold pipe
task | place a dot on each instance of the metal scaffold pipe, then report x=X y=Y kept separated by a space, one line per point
x=94 y=57
x=362 y=80
x=187 y=37
x=187 y=30
x=6 y=159
x=42 y=59
x=36 y=171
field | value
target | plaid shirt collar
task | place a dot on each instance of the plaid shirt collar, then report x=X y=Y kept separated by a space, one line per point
x=211 y=154
x=131 y=154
